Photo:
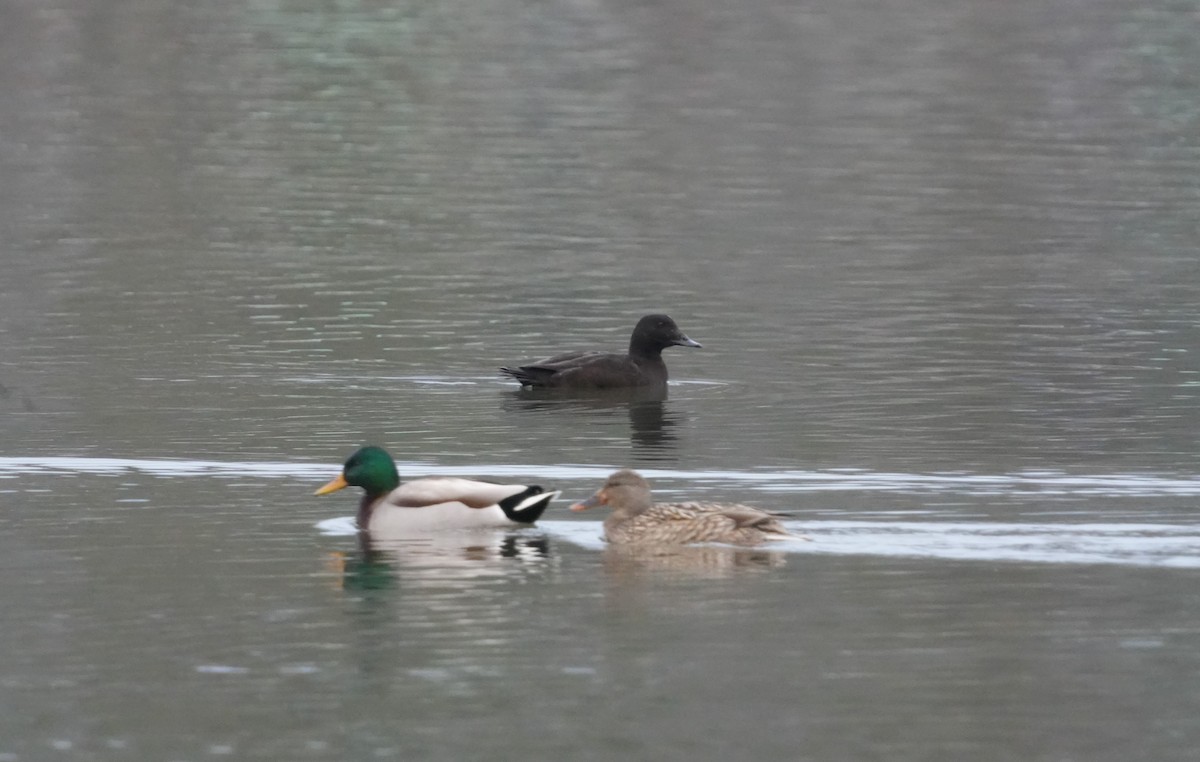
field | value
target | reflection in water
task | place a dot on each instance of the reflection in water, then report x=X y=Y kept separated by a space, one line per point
x=695 y=561
x=451 y=595
x=650 y=429
x=650 y=422
x=381 y=562
x=365 y=570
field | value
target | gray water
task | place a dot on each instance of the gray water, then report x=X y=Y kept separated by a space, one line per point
x=942 y=258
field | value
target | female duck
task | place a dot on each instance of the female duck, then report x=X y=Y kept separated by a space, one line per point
x=390 y=508
x=637 y=520
x=641 y=366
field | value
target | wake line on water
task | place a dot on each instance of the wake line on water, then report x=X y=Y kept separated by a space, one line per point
x=840 y=480
x=1128 y=544
x=1174 y=546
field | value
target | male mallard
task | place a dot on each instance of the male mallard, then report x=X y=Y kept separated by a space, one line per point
x=637 y=520
x=441 y=502
x=642 y=366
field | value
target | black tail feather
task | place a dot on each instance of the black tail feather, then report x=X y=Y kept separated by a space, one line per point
x=531 y=511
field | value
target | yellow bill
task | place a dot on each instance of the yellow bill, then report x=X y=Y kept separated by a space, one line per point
x=339 y=482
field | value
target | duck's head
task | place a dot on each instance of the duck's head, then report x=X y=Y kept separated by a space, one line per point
x=370 y=468
x=625 y=492
x=654 y=333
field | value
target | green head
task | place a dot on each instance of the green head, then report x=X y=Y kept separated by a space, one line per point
x=370 y=468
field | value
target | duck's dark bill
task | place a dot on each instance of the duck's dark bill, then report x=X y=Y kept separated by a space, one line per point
x=591 y=502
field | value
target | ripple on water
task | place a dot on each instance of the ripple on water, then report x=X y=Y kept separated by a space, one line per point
x=1129 y=544
x=873 y=533
x=833 y=480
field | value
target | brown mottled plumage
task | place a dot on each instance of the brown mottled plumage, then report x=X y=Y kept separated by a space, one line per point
x=637 y=520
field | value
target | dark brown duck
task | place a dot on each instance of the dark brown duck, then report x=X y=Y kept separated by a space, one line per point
x=641 y=366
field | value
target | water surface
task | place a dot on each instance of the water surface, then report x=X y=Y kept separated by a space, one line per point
x=942 y=260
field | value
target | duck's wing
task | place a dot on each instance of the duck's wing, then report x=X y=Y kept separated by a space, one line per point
x=420 y=493
x=522 y=503
x=598 y=369
x=541 y=372
x=739 y=516
x=565 y=360
x=674 y=524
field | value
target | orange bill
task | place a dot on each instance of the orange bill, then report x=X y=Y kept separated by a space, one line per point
x=339 y=482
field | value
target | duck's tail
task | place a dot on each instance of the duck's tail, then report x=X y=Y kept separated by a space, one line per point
x=527 y=506
x=532 y=376
x=522 y=375
x=774 y=530
x=778 y=533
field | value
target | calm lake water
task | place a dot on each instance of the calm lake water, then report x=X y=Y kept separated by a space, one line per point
x=943 y=261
